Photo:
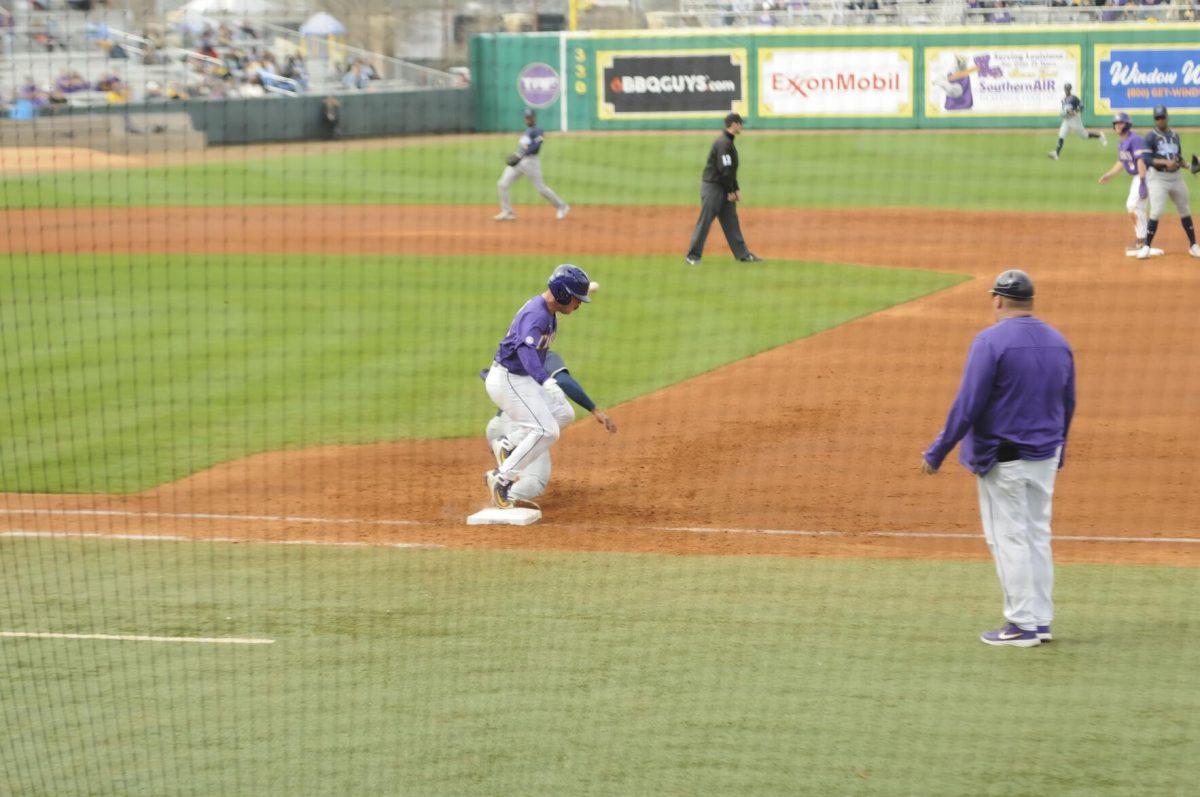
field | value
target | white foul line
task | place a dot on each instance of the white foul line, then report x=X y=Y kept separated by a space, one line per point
x=137 y=638
x=207 y=516
x=102 y=535
x=909 y=535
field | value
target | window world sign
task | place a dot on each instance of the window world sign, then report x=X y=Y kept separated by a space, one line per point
x=1131 y=78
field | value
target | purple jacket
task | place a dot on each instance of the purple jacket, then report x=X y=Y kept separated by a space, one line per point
x=1018 y=387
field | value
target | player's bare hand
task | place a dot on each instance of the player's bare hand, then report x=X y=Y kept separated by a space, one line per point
x=605 y=421
x=927 y=469
x=1104 y=178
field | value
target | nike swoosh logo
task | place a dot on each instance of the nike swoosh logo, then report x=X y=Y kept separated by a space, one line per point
x=1017 y=635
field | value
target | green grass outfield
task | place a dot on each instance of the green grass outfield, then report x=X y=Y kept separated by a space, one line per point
x=993 y=170
x=122 y=373
x=449 y=672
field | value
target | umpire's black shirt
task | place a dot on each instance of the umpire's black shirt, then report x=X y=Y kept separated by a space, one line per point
x=722 y=163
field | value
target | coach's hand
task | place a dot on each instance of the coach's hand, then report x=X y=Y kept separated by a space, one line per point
x=605 y=421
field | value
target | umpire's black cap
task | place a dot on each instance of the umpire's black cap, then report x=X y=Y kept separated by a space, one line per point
x=1013 y=284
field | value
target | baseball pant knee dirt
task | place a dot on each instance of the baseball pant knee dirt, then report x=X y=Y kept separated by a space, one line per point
x=534 y=428
x=530 y=166
x=1168 y=185
x=536 y=475
x=1140 y=208
x=714 y=205
x=1015 y=504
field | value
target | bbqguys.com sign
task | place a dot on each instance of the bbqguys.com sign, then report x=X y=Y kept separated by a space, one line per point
x=835 y=82
x=671 y=84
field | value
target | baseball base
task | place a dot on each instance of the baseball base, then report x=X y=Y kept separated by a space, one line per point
x=517 y=516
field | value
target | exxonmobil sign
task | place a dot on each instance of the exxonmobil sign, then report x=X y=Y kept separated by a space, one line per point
x=666 y=84
x=872 y=81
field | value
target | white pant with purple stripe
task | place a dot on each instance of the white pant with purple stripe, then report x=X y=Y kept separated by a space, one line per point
x=1014 y=503
x=1139 y=207
x=533 y=429
x=536 y=475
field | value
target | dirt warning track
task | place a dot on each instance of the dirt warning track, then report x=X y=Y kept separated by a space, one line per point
x=821 y=435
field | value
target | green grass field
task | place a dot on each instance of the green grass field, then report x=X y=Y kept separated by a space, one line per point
x=124 y=373
x=1001 y=170
x=442 y=672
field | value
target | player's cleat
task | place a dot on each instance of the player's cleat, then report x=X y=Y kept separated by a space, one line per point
x=692 y=261
x=1103 y=140
x=1131 y=251
x=751 y=258
x=1052 y=155
x=1012 y=635
x=1143 y=253
x=504 y=217
x=500 y=450
x=1194 y=250
x=498 y=486
x=1043 y=634
x=563 y=211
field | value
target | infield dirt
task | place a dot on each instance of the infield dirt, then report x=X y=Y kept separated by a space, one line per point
x=823 y=434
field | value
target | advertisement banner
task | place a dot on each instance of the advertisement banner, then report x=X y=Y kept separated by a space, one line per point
x=835 y=82
x=538 y=85
x=671 y=84
x=1023 y=80
x=1132 y=77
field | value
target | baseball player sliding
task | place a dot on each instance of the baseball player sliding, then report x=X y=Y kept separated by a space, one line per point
x=525 y=161
x=519 y=384
x=1164 y=156
x=1072 y=122
x=534 y=477
x=1131 y=154
x=1012 y=414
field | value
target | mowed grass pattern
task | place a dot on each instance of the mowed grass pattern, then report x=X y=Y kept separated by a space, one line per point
x=485 y=673
x=126 y=372
x=1005 y=170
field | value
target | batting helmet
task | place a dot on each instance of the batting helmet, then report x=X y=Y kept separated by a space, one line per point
x=1160 y=112
x=1013 y=284
x=567 y=282
x=1122 y=122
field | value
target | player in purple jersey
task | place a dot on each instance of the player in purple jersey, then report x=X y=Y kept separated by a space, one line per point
x=1012 y=413
x=1131 y=155
x=517 y=381
x=957 y=85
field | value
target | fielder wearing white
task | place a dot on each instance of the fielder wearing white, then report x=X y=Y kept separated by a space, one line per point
x=1164 y=156
x=518 y=383
x=1131 y=154
x=1012 y=414
x=533 y=478
x=526 y=162
x=1072 y=123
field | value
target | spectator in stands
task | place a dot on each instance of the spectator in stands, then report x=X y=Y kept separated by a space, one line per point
x=31 y=92
x=153 y=92
x=56 y=99
x=767 y=17
x=7 y=31
x=71 y=82
x=1002 y=16
x=355 y=78
x=117 y=94
x=254 y=87
x=177 y=92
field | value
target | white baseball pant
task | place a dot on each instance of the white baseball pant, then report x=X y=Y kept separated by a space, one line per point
x=529 y=166
x=1072 y=124
x=1140 y=208
x=1015 y=504
x=534 y=428
x=1168 y=185
x=535 y=476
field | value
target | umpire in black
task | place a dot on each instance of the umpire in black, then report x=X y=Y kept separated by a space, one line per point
x=719 y=193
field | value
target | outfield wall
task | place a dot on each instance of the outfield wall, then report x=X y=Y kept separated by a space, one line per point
x=845 y=78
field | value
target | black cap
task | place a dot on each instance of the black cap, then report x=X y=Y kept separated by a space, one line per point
x=529 y=112
x=1067 y=87
x=733 y=118
x=1013 y=284
x=1160 y=112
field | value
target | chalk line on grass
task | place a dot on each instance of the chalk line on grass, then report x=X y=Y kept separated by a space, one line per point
x=208 y=640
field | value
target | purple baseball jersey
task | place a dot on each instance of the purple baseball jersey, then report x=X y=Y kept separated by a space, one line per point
x=532 y=330
x=1018 y=388
x=1132 y=150
x=966 y=100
